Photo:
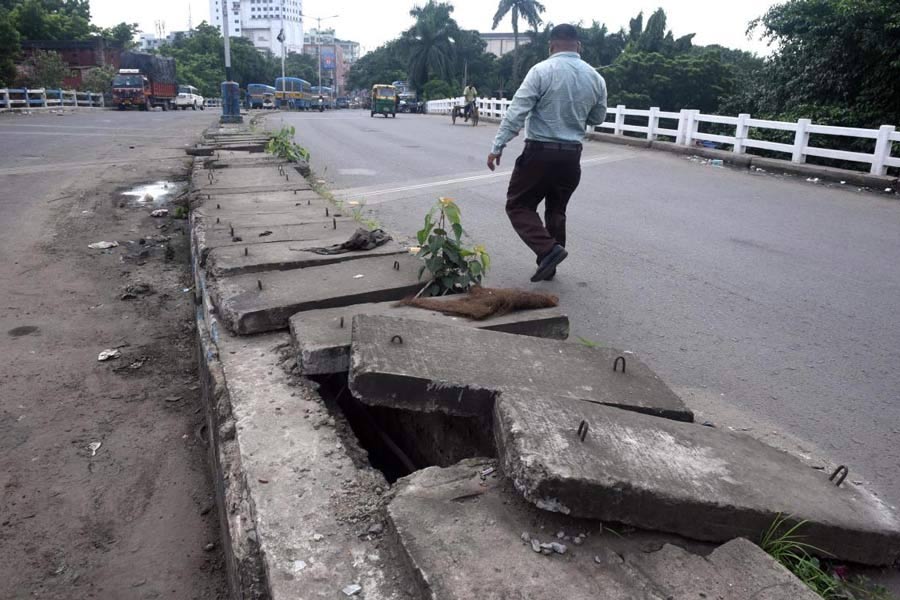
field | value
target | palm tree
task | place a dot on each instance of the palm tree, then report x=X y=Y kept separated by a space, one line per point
x=431 y=43
x=530 y=11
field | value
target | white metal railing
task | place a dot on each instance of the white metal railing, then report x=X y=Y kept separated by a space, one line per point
x=11 y=98
x=212 y=102
x=687 y=132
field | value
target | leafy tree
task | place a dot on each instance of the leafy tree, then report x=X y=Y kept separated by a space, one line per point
x=431 y=43
x=300 y=65
x=437 y=89
x=122 y=35
x=46 y=70
x=384 y=64
x=9 y=48
x=98 y=79
x=529 y=10
x=52 y=19
x=835 y=61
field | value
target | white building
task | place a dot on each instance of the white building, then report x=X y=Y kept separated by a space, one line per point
x=148 y=41
x=260 y=21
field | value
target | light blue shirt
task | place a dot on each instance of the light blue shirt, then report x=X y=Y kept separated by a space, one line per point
x=558 y=99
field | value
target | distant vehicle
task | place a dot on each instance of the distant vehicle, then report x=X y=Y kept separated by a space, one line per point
x=343 y=102
x=293 y=93
x=326 y=92
x=384 y=101
x=257 y=94
x=144 y=81
x=189 y=97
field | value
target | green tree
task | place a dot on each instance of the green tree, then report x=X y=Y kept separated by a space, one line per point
x=529 y=10
x=836 y=61
x=431 y=43
x=300 y=65
x=9 y=48
x=98 y=79
x=437 y=89
x=52 y=19
x=385 y=64
x=46 y=70
x=122 y=35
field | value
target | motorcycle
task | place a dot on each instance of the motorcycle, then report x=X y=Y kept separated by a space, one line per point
x=321 y=104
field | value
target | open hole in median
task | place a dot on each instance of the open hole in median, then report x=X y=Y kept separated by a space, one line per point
x=399 y=442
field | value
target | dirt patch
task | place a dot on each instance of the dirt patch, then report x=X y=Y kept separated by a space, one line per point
x=104 y=486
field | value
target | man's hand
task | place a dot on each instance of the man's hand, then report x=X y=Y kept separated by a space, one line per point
x=492 y=159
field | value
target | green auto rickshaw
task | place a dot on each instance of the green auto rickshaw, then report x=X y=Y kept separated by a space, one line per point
x=384 y=100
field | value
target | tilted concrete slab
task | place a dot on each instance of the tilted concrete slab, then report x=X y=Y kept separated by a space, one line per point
x=245 y=308
x=322 y=337
x=463 y=537
x=207 y=239
x=459 y=370
x=223 y=219
x=284 y=186
x=282 y=256
x=700 y=482
x=261 y=203
x=739 y=569
x=258 y=176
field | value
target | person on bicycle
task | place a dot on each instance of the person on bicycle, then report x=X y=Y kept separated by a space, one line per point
x=471 y=94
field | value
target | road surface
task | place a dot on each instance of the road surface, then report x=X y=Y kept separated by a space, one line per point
x=132 y=517
x=769 y=303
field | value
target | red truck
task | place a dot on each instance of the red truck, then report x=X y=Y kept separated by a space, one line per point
x=145 y=81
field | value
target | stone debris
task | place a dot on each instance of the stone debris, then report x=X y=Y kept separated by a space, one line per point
x=109 y=354
x=352 y=590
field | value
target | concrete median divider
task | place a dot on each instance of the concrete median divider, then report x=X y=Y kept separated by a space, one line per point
x=298 y=421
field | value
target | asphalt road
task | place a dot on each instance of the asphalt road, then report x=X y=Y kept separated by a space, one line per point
x=769 y=303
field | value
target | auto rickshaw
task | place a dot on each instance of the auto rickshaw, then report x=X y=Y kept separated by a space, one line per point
x=384 y=100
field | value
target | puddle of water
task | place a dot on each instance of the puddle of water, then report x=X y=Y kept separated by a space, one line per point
x=161 y=193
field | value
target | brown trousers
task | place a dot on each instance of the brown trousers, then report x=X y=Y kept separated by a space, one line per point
x=549 y=173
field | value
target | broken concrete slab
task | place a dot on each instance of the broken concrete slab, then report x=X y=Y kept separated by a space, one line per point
x=207 y=239
x=323 y=343
x=282 y=256
x=260 y=203
x=460 y=370
x=285 y=186
x=223 y=219
x=258 y=176
x=261 y=302
x=700 y=482
x=464 y=534
x=738 y=569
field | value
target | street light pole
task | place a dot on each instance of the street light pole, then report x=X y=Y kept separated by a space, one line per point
x=231 y=93
x=318 y=43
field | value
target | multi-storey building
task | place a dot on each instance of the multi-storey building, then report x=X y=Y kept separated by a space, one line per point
x=260 y=21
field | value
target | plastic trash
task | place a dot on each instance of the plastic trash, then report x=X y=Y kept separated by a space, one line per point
x=109 y=354
x=103 y=245
x=717 y=162
x=352 y=589
x=93 y=447
x=160 y=212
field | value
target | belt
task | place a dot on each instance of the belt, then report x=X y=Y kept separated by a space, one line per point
x=562 y=146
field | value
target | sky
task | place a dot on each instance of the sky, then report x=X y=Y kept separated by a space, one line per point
x=373 y=22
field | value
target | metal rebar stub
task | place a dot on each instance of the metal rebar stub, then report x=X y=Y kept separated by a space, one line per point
x=396 y=265
x=326 y=212
x=616 y=363
x=342 y=322
x=397 y=339
x=246 y=251
x=583 y=429
x=840 y=474
x=259 y=284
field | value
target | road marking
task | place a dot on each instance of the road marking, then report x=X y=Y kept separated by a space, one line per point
x=368 y=172
x=358 y=193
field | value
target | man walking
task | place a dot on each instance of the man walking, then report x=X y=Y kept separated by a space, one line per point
x=558 y=99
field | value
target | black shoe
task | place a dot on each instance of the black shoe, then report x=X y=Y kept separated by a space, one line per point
x=548 y=264
x=551 y=275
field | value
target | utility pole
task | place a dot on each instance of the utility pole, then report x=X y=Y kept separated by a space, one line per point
x=281 y=38
x=231 y=93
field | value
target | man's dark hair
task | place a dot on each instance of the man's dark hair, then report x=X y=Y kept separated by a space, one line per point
x=564 y=33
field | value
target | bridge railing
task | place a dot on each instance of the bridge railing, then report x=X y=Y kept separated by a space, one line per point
x=12 y=98
x=686 y=129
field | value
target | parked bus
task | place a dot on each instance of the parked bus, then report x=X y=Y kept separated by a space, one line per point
x=256 y=94
x=327 y=94
x=293 y=92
